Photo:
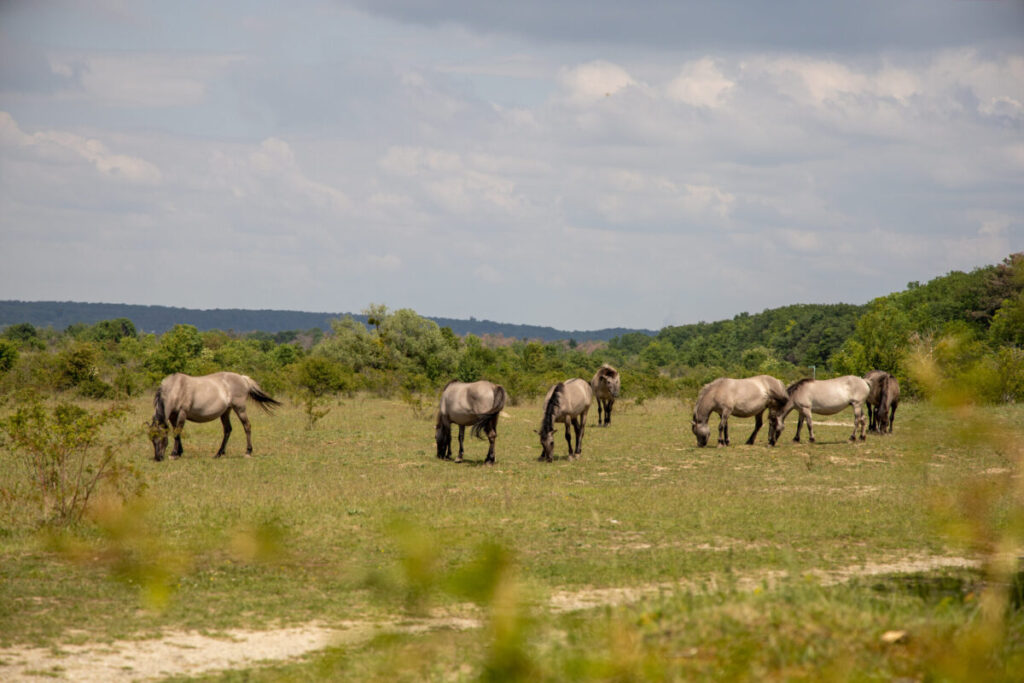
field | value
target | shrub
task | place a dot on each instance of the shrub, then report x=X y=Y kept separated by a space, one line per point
x=66 y=457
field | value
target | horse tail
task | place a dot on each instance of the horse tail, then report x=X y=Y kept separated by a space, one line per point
x=882 y=409
x=262 y=398
x=496 y=407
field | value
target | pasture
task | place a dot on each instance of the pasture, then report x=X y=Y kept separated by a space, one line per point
x=646 y=558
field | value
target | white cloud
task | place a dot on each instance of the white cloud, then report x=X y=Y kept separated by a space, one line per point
x=594 y=80
x=700 y=84
x=52 y=143
x=270 y=173
x=141 y=79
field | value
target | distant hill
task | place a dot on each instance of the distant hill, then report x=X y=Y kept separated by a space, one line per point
x=159 y=319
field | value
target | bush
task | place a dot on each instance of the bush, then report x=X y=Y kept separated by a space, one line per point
x=8 y=355
x=66 y=457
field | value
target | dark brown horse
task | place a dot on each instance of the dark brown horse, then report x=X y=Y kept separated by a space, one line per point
x=606 y=385
x=182 y=397
x=468 y=403
x=882 y=401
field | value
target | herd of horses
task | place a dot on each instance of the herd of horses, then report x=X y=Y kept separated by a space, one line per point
x=478 y=405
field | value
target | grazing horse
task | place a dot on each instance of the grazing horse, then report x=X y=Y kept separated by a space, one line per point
x=473 y=403
x=567 y=402
x=182 y=397
x=606 y=389
x=742 y=398
x=882 y=401
x=825 y=397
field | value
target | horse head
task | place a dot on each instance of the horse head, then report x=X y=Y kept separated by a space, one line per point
x=776 y=421
x=158 y=435
x=442 y=435
x=701 y=430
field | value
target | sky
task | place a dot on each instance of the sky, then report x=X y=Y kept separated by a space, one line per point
x=581 y=164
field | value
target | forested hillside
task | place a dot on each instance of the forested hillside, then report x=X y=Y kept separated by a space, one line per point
x=970 y=324
x=158 y=319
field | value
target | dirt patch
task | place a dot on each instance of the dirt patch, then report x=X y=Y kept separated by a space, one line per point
x=190 y=653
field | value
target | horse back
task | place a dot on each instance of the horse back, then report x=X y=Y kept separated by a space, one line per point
x=465 y=402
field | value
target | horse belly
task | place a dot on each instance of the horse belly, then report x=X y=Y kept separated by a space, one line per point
x=208 y=403
x=828 y=407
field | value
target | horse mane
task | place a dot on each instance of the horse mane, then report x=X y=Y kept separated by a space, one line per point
x=607 y=371
x=797 y=384
x=698 y=405
x=777 y=399
x=159 y=414
x=547 y=424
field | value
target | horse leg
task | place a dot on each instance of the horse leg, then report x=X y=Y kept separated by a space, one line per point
x=492 y=435
x=810 y=426
x=243 y=417
x=892 y=416
x=799 y=425
x=872 y=414
x=758 y=421
x=577 y=426
x=178 y=420
x=225 y=422
x=607 y=413
x=723 y=429
x=462 y=435
x=600 y=411
x=568 y=437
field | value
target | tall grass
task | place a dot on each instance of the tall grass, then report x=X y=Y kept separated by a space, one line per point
x=357 y=519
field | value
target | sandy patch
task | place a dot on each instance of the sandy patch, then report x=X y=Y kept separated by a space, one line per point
x=190 y=653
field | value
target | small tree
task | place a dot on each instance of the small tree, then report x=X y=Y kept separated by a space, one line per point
x=66 y=457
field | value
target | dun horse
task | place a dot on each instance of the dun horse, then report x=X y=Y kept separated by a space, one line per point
x=606 y=389
x=464 y=404
x=742 y=398
x=567 y=402
x=181 y=397
x=882 y=401
x=825 y=397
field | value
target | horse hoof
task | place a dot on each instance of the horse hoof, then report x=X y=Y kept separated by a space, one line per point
x=811 y=439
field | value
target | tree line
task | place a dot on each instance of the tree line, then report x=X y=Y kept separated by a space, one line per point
x=971 y=324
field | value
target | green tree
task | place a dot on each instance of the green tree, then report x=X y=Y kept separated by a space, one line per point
x=8 y=355
x=113 y=330
x=178 y=348
x=884 y=333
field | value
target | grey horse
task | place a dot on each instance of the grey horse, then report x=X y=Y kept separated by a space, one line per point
x=606 y=384
x=747 y=397
x=181 y=397
x=825 y=397
x=567 y=402
x=464 y=404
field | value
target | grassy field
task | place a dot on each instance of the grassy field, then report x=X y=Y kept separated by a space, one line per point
x=648 y=558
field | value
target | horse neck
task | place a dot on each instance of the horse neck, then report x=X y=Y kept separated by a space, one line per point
x=547 y=424
x=704 y=405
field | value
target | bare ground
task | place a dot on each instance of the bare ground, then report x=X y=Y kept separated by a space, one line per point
x=191 y=653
